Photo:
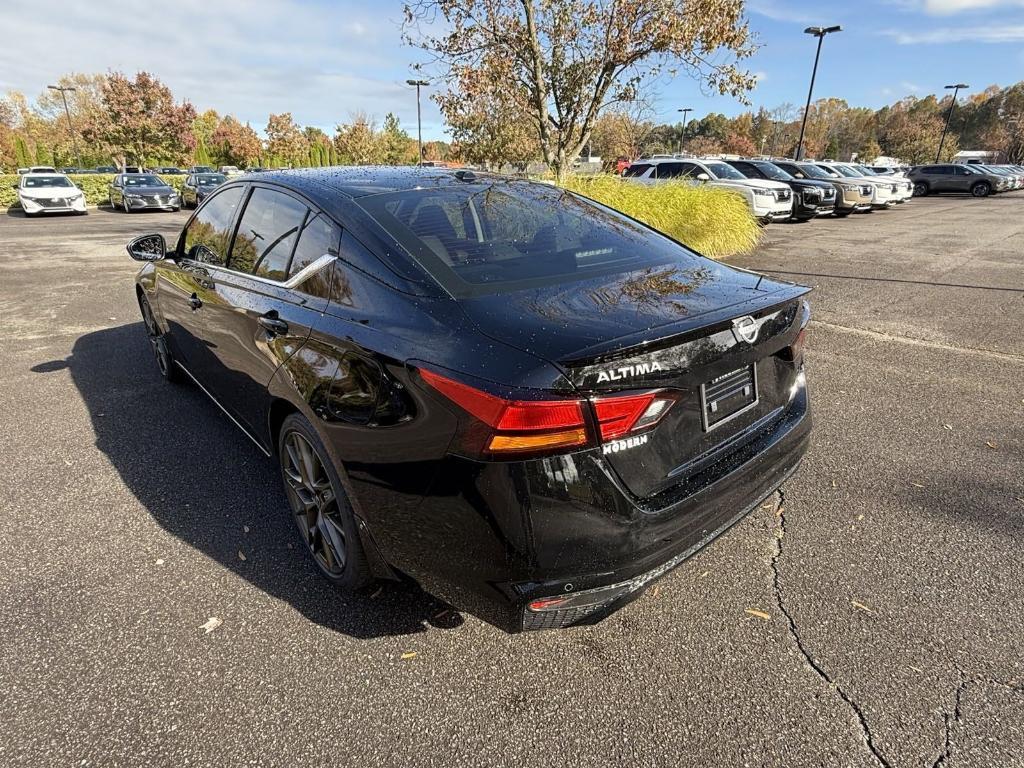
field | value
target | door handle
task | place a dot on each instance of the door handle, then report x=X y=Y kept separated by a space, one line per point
x=272 y=324
x=195 y=302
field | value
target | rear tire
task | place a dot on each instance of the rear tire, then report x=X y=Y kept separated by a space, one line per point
x=842 y=214
x=981 y=189
x=920 y=189
x=320 y=507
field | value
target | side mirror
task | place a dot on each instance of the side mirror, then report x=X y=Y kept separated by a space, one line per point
x=799 y=176
x=703 y=177
x=834 y=175
x=148 y=248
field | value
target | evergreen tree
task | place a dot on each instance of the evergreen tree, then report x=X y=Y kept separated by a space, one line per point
x=21 y=152
x=202 y=156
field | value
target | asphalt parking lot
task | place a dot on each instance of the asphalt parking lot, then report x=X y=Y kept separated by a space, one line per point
x=875 y=618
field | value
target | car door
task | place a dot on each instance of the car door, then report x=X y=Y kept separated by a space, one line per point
x=116 y=192
x=184 y=282
x=749 y=170
x=963 y=178
x=187 y=191
x=941 y=178
x=267 y=299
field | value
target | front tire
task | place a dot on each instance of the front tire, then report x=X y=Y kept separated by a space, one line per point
x=164 y=359
x=842 y=213
x=981 y=189
x=920 y=189
x=320 y=507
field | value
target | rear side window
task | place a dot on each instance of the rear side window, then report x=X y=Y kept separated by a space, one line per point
x=508 y=235
x=636 y=169
x=941 y=170
x=209 y=234
x=267 y=233
x=319 y=237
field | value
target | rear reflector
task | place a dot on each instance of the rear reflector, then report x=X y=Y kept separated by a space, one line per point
x=541 y=442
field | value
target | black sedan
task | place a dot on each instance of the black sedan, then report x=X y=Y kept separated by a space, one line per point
x=198 y=185
x=142 y=191
x=528 y=403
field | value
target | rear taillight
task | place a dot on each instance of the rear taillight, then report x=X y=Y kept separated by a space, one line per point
x=794 y=353
x=516 y=427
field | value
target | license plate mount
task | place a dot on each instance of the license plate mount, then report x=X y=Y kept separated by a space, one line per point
x=727 y=396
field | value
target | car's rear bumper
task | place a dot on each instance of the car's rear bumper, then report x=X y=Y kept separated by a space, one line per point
x=499 y=536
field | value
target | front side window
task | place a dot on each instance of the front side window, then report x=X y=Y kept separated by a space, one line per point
x=507 y=235
x=208 y=235
x=725 y=171
x=267 y=233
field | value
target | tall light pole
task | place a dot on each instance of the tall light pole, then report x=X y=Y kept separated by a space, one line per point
x=956 y=89
x=419 y=120
x=818 y=32
x=682 y=134
x=64 y=95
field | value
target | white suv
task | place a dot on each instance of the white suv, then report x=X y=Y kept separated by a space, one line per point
x=768 y=200
x=886 y=193
x=904 y=186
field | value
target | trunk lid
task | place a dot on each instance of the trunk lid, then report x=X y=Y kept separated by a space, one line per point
x=711 y=337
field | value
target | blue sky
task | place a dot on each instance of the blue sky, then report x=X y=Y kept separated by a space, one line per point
x=324 y=60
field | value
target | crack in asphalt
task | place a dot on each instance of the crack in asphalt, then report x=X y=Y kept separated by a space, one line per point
x=951 y=718
x=779 y=535
x=888 y=337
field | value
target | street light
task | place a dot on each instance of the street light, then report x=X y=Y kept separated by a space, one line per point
x=818 y=32
x=956 y=89
x=682 y=134
x=419 y=123
x=63 y=93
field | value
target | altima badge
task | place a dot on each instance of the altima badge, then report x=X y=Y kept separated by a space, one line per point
x=745 y=328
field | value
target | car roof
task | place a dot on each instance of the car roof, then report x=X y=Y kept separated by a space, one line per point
x=358 y=181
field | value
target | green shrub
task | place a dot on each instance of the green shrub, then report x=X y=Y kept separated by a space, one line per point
x=714 y=222
x=94 y=185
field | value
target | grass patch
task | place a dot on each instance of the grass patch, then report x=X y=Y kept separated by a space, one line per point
x=713 y=222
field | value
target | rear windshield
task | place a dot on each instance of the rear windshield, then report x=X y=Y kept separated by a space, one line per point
x=478 y=239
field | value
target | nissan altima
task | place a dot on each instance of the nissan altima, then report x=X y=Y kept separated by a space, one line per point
x=529 y=403
x=142 y=191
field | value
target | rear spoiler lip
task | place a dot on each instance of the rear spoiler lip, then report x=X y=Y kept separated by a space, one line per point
x=681 y=331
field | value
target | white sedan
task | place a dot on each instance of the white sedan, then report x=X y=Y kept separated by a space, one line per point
x=49 y=193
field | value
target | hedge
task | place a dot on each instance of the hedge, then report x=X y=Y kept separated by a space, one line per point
x=714 y=222
x=94 y=185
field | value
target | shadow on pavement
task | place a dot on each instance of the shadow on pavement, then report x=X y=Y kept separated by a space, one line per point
x=202 y=480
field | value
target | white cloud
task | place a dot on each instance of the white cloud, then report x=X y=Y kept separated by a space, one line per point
x=771 y=9
x=1011 y=33
x=910 y=87
x=245 y=57
x=760 y=76
x=949 y=7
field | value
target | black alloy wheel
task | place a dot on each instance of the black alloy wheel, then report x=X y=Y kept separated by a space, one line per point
x=164 y=359
x=320 y=506
x=981 y=189
x=920 y=189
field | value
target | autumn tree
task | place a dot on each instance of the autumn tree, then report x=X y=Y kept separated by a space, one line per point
x=487 y=129
x=233 y=143
x=558 y=63
x=623 y=131
x=357 y=142
x=141 y=121
x=285 y=141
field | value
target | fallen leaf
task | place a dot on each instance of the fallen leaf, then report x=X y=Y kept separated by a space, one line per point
x=759 y=614
x=834 y=484
x=245 y=528
x=916 y=485
x=860 y=517
x=376 y=592
x=211 y=624
x=241 y=555
x=947 y=426
x=655 y=591
x=991 y=445
x=917 y=669
x=290 y=545
x=861 y=606
x=408 y=655
x=160 y=561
